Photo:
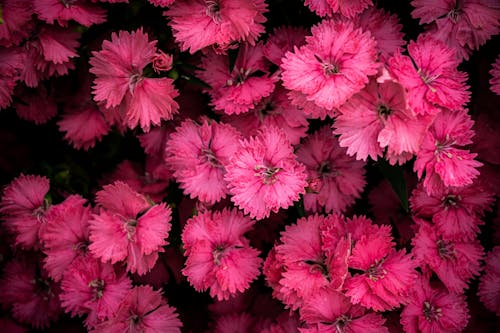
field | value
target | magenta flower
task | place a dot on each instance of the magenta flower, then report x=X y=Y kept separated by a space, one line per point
x=489 y=289
x=11 y=65
x=344 y=8
x=82 y=11
x=430 y=76
x=219 y=257
x=120 y=81
x=16 y=17
x=263 y=175
x=339 y=178
x=495 y=76
x=198 y=155
x=197 y=24
x=282 y=40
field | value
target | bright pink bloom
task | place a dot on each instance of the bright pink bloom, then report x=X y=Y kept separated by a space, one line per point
x=333 y=65
x=331 y=311
x=198 y=155
x=440 y=156
x=454 y=262
x=434 y=310
x=489 y=288
x=219 y=257
x=241 y=89
x=30 y=293
x=430 y=76
x=143 y=310
x=282 y=40
x=495 y=76
x=275 y=110
x=342 y=7
x=16 y=25
x=120 y=80
x=35 y=105
x=11 y=64
x=463 y=25
x=66 y=235
x=197 y=24
x=128 y=227
x=93 y=288
x=82 y=11
x=340 y=179
x=24 y=207
x=378 y=118
x=263 y=175
x=456 y=212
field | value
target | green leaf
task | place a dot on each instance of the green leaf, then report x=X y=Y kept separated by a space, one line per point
x=394 y=174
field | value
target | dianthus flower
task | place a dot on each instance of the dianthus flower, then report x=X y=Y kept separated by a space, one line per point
x=121 y=82
x=219 y=257
x=463 y=25
x=430 y=76
x=333 y=65
x=65 y=235
x=197 y=24
x=495 y=76
x=242 y=88
x=93 y=288
x=81 y=11
x=339 y=178
x=24 y=207
x=282 y=40
x=440 y=156
x=198 y=154
x=489 y=288
x=455 y=212
x=142 y=310
x=342 y=7
x=454 y=262
x=434 y=310
x=128 y=227
x=264 y=175
x=331 y=311
x=16 y=25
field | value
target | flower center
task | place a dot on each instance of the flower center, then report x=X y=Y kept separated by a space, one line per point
x=210 y=157
x=135 y=320
x=329 y=68
x=98 y=288
x=428 y=78
x=341 y=323
x=81 y=247
x=43 y=288
x=213 y=10
x=446 y=249
x=130 y=227
x=383 y=111
x=450 y=200
x=67 y=3
x=39 y=213
x=318 y=266
x=430 y=312
x=133 y=81
x=239 y=78
x=376 y=271
x=267 y=174
x=218 y=254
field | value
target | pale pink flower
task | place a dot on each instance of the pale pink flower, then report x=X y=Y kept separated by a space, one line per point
x=463 y=25
x=434 y=310
x=120 y=81
x=333 y=65
x=495 y=76
x=430 y=76
x=219 y=257
x=93 y=288
x=16 y=25
x=489 y=288
x=282 y=40
x=441 y=155
x=66 y=235
x=143 y=310
x=340 y=179
x=81 y=11
x=197 y=24
x=11 y=65
x=264 y=175
x=198 y=155
x=242 y=88
x=454 y=262
x=24 y=207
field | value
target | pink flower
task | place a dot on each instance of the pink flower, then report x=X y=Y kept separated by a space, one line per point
x=143 y=310
x=66 y=235
x=24 y=207
x=454 y=262
x=463 y=26
x=430 y=76
x=274 y=110
x=242 y=88
x=161 y=3
x=93 y=288
x=282 y=40
x=340 y=178
x=495 y=76
x=198 y=155
x=333 y=65
x=345 y=8
x=82 y=11
x=263 y=175
x=11 y=64
x=129 y=228
x=219 y=257
x=434 y=310
x=16 y=25
x=444 y=163
x=197 y=24
x=489 y=288
x=331 y=311
x=120 y=80
x=162 y=62
x=456 y=212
